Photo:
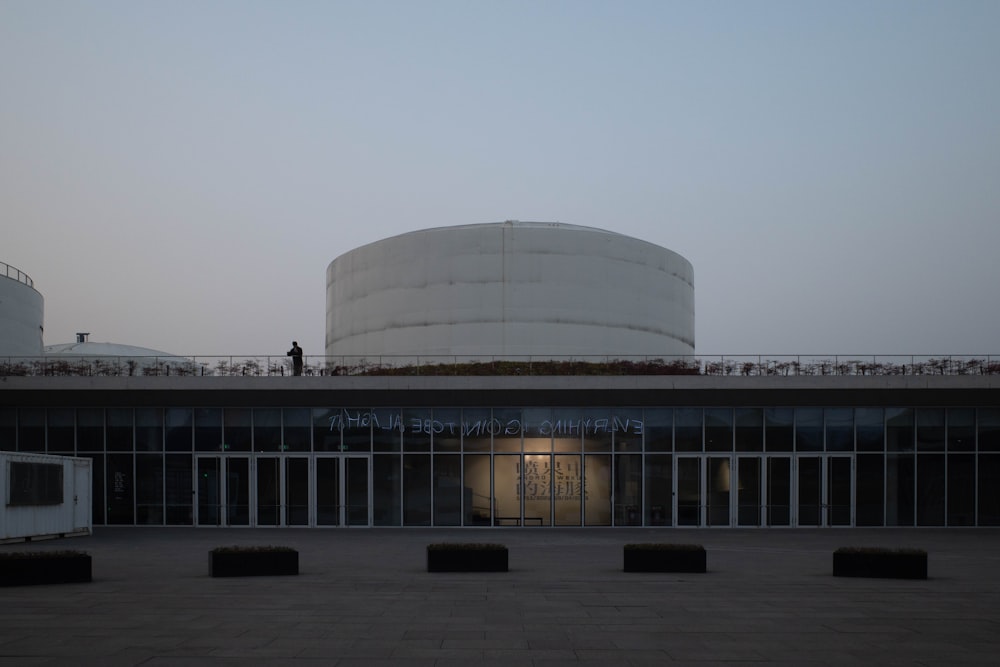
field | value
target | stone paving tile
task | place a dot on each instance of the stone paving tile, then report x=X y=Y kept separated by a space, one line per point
x=483 y=644
x=567 y=662
x=368 y=601
x=202 y=661
x=506 y=661
x=573 y=643
x=467 y=654
x=386 y=662
x=442 y=633
x=603 y=656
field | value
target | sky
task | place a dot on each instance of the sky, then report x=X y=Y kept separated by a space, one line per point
x=178 y=174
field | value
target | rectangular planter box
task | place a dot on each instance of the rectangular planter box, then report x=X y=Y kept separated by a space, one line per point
x=656 y=558
x=462 y=559
x=252 y=563
x=881 y=563
x=45 y=568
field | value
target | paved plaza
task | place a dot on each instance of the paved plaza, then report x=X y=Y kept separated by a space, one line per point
x=364 y=598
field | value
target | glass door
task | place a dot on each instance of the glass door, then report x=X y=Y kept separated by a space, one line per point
x=825 y=490
x=223 y=491
x=704 y=490
x=343 y=491
x=719 y=483
x=268 y=503
x=810 y=495
x=778 y=508
x=838 y=491
x=328 y=501
x=748 y=505
x=208 y=506
x=296 y=491
x=237 y=494
x=688 y=493
x=357 y=491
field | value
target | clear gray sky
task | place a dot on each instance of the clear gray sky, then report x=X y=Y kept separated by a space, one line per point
x=178 y=174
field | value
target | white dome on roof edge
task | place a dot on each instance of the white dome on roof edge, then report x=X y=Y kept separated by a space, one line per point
x=96 y=349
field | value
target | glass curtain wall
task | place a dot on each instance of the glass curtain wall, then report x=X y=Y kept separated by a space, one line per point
x=684 y=466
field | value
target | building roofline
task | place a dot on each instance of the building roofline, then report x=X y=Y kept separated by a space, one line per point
x=465 y=391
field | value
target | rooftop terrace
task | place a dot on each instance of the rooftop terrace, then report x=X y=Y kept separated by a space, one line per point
x=719 y=366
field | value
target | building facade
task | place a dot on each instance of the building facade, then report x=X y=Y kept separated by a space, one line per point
x=576 y=451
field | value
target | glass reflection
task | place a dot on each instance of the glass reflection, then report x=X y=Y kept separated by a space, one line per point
x=930 y=431
x=809 y=430
x=148 y=432
x=961 y=489
x=327 y=491
x=476 y=430
x=628 y=490
x=718 y=430
x=779 y=429
x=749 y=430
x=567 y=489
x=658 y=430
x=810 y=490
x=659 y=490
x=748 y=498
x=507 y=490
x=597 y=490
x=387 y=498
x=779 y=491
x=718 y=484
x=506 y=427
x=237 y=430
x=446 y=430
x=478 y=499
x=417 y=489
x=868 y=493
x=688 y=491
x=628 y=430
x=447 y=490
x=687 y=429
x=536 y=485
x=839 y=429
x=598 y=430
x=90 y=430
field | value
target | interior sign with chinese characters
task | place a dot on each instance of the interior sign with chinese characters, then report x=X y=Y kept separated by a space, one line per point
x=539 y=482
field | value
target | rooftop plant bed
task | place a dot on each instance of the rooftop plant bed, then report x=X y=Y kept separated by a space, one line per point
x=541 y=367
x=879 y=562
x=252 y=561
x=25 y=568
x=466 y=557
x=665 y=557
x=738 y=365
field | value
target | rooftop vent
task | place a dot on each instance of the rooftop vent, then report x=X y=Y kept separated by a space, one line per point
x=82 y=337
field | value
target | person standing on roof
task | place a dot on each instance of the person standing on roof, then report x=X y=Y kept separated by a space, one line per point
x=296 y=354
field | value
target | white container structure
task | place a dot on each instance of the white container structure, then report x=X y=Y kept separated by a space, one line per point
x=21 y=314
x=510 y=290
x=44 y=496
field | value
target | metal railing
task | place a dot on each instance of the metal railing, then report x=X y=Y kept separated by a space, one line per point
x=733 y=366
x=14 y=273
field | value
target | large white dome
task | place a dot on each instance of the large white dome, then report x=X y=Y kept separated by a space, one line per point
x=510 y=289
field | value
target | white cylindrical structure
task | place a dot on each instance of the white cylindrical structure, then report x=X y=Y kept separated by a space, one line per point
x=510 y=289
x=21 y=314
